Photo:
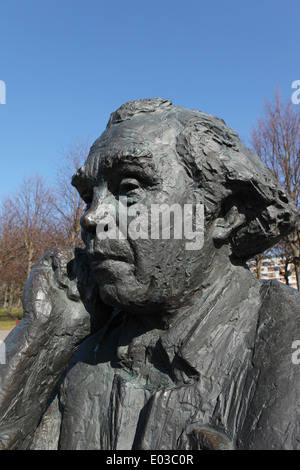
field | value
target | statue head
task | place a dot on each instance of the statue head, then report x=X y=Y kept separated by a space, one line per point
x=154 y=153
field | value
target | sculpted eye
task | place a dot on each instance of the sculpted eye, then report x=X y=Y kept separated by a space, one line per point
x=128 y=185
x=130 y=188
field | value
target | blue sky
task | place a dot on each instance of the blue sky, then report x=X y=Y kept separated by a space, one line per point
x=68 y=64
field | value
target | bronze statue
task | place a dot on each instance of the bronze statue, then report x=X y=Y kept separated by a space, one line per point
x=137 y=342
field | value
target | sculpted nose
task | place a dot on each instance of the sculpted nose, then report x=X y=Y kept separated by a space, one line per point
x=88 y=221
x=102 y=204
x=98 y=214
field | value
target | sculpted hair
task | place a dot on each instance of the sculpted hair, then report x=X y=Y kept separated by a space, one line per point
x=229 y=174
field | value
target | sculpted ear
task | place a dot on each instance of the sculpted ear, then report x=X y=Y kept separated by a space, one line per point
x=227 y=224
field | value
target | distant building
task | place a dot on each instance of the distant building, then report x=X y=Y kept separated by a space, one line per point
x=273 y=268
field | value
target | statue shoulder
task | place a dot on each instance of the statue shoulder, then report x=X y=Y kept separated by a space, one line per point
x=277 y=291
x=280 y=308
x=279 y=320
x=274 y=409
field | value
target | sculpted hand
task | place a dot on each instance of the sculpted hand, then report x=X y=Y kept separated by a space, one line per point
x=61 y=308
x=61 y=295
x=205 y=438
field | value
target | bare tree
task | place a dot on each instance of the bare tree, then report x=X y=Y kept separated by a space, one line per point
x=32 y=211
x=258 y=259
x=284 y=252
x=10 y=249
x=35 y=219
x=276 y=140
x=27 y=232
x=68 y=204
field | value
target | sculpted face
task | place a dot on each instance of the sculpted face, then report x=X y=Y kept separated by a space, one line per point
x=153 y=153
x=137 y=161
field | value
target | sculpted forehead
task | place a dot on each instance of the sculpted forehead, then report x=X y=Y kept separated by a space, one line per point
x=141 y=141
x=139 y=132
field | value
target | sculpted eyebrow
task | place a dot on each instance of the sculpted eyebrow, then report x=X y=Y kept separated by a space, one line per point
x=131 y=156
x=140 y=163
x=82 y=183
x=130 y=162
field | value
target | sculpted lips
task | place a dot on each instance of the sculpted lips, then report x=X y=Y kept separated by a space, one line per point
x=99 y=257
